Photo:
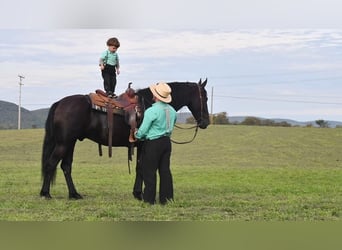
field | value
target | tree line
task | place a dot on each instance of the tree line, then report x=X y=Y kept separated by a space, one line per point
x=223 y=119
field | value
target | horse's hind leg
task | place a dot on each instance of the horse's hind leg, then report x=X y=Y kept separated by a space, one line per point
x=49 y=170
x=45 y=191
x=66 y=167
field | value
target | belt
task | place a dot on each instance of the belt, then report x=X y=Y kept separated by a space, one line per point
x=161 y=137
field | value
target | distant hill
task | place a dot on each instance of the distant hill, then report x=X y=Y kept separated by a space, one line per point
x=239 y=119
x=37 y=118
x=29 y=119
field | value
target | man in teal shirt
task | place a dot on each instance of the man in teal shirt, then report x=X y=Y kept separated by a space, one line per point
x=156 y=129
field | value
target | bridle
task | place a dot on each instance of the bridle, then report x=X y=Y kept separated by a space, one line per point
x=197 y=124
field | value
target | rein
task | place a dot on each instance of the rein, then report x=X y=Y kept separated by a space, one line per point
x=191 y=140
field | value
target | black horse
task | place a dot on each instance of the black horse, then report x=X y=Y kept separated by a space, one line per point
x=73 y=118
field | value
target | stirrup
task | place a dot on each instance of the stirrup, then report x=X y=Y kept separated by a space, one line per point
x=131 y=137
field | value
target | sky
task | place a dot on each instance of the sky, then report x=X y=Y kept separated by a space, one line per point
x=271 y=59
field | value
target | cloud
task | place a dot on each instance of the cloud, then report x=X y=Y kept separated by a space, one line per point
x=204 y=43
x=73 y=53
x=255 y=63
x=157 y=43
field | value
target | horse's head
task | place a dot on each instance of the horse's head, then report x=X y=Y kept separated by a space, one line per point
x=198 y=105
x=192 y=95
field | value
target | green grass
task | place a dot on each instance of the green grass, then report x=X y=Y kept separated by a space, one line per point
x=229 y=173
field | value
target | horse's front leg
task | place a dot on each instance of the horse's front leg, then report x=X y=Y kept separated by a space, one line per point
x=137 y=189
x=66 y=167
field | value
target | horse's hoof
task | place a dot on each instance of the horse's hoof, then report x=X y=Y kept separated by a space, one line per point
x=45 y=195
x=75 y=196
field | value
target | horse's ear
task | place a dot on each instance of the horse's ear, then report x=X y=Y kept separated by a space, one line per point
x=200 y=81
x=203 y=83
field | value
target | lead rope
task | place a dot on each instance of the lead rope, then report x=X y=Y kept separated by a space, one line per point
x=185 y=142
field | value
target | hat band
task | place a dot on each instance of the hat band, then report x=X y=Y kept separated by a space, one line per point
x=160 y=94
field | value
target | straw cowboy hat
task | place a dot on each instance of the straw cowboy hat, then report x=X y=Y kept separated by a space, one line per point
x=162 y=91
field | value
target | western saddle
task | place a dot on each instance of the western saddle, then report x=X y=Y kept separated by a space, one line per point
x=125 y=104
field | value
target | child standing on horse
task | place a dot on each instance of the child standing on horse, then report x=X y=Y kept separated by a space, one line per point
x=110 y=66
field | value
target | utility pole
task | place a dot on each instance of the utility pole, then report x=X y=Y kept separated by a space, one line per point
x=211 y=106
x=19 y=106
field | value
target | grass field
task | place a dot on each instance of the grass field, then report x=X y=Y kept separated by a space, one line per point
x=229 y=173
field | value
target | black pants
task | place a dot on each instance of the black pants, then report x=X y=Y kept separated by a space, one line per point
x=109 y=79
x=156 y=156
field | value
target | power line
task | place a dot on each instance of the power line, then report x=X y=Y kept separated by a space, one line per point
x=273 y=74
x=281 y=82
x=279 y=100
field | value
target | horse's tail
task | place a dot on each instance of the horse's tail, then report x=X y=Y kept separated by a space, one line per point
x=49 y=142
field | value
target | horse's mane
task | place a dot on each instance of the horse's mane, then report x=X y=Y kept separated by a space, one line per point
x=182 y=83
x=172 y=84
x=145 y=95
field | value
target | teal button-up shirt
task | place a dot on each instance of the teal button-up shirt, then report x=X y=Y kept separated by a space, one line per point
x=158 y=121
x=111 y=58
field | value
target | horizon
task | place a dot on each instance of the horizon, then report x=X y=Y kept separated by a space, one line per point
x=183 y=111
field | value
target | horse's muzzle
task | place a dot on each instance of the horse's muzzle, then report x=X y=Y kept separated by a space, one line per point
x=203 y=124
